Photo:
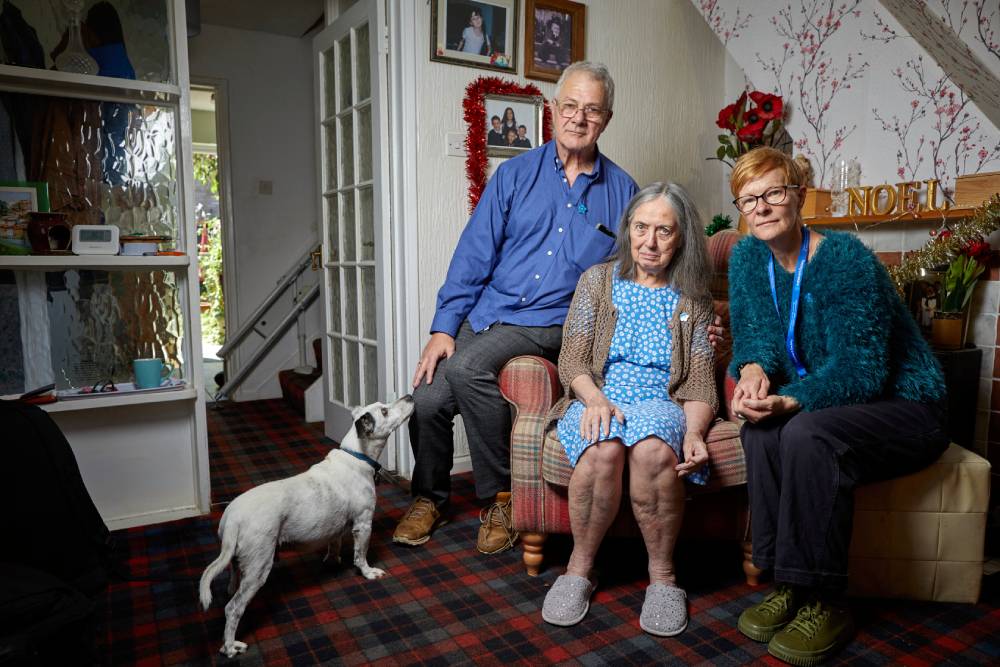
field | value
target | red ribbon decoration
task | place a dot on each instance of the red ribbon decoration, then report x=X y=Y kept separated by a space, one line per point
x=475 y=115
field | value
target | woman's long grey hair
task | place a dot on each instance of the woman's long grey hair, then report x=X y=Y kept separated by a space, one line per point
x=689 y=270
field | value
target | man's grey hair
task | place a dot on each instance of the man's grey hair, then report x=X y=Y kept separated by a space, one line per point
x=689 y=270
x=597 y=71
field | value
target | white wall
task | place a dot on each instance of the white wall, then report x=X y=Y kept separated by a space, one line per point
x=272 y=138
x=668 y=71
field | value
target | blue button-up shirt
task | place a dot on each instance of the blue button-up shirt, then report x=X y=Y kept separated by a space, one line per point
x=528 y=241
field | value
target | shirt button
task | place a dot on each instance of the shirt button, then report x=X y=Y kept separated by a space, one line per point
x=548 y=252
x=560 y=230
x=564 y=180
x=523 y=299
x=537 y=276
x=569 y=205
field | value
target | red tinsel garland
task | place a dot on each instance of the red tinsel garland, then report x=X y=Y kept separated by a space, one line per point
x=475 y=117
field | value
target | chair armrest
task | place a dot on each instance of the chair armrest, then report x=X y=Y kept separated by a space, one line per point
x=531 y=385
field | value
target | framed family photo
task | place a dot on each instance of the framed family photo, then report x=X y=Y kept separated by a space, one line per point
x=554 y=37
x=477 y=33
x=513 y=123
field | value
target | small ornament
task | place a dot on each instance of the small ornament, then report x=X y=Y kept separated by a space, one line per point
x=684 y=316
x=581 y=208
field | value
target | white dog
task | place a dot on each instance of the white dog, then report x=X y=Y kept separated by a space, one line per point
x=312 y=509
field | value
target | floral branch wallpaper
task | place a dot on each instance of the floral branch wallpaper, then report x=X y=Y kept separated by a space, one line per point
x=859 y=85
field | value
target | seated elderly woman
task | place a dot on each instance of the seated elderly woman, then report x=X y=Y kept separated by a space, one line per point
x=637 y=369
x=838 y=388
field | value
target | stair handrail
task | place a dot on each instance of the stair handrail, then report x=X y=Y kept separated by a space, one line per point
x=287 y=279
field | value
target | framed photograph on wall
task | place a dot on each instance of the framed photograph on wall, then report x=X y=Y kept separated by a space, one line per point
x=554 y=37
x=513 y=123
x=477 y=33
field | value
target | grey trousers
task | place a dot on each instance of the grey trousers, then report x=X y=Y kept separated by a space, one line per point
x=466 y=384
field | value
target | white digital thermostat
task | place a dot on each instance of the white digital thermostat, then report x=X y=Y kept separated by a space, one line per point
x=95 y=240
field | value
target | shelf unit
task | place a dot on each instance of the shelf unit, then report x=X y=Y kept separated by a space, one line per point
x=923 y=216
x=143 y=457
x=104 y=262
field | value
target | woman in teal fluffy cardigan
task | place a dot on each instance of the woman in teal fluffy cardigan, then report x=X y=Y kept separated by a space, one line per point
x=838 y=389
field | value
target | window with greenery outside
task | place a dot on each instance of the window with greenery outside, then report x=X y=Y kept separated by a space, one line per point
x=213 y=323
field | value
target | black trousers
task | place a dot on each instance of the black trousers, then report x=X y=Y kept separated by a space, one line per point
x=801 y=475
x=466 y=384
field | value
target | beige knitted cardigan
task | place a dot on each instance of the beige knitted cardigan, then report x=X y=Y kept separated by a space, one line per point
x=590 y=324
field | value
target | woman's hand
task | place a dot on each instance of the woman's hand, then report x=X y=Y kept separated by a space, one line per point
x=755 y=409
x=753 y=384
x=695 y=454
x=597 y=414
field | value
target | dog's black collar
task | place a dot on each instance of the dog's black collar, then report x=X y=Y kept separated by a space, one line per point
x=367 y=459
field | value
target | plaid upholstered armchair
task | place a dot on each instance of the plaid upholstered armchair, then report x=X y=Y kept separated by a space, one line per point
x=540 y=471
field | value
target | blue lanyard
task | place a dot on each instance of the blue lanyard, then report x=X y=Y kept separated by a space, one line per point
x=800 y=269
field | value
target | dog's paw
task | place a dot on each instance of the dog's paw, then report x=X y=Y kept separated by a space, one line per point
x=233 y=649
x=373 y=573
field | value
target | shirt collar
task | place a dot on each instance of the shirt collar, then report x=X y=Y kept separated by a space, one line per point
x=598 y=160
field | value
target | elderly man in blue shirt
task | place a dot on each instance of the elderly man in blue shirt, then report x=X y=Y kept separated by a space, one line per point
x=544 y=217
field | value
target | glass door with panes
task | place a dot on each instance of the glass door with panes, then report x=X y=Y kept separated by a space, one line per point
x=350 y=83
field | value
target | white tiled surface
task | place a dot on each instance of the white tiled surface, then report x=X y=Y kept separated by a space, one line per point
x=983 y=330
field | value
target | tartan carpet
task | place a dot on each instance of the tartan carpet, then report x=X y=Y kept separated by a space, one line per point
x=445 y=603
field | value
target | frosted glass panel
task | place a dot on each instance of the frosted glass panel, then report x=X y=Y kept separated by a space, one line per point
x=329 y=83
x=141 y=52
x=334 y=292
x=347 y=150
x=362 y=65
x=336 y=371
x=350 y=302
x=349 y=224
x=353 y=375
x=368 y=302
x=333 y=241
x=371 y=374
x=103 y=161
x=366 y=220
x=344 y=79
x=365 y=144
x=330 y=134
x=85 y=327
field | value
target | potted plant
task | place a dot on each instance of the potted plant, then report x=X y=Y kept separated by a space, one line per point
x=948 y=328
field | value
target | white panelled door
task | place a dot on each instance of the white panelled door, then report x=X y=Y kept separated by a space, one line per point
x=350 y=64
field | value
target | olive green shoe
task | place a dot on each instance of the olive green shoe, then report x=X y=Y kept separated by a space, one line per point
x=816 y=633
x=762 y=621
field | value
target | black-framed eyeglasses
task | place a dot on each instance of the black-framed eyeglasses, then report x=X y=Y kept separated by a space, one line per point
x=774 y=195
x=591 y=112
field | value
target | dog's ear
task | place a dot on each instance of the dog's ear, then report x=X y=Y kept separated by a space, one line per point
x=357 y=412
x=365 y=425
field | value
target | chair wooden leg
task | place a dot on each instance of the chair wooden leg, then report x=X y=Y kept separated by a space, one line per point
x=749 y=569
x=533 y=544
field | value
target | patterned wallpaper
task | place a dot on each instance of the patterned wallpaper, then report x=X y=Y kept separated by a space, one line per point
x=859 y=85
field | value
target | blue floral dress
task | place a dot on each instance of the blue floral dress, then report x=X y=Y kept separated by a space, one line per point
x=636 y=375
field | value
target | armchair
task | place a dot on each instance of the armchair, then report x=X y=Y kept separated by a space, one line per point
x=540 y=471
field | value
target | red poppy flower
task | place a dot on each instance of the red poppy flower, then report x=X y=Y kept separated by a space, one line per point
x=728 y=115
x=753 y=127
x=979 y=251
x=769 y=106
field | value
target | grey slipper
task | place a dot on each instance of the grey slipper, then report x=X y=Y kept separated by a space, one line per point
x=664 y=611
x=568 y=601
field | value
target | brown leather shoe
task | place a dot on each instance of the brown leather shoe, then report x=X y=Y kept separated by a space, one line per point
x=497 y=532
x=418 y=523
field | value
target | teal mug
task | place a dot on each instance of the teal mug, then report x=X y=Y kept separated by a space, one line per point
x=150 y=373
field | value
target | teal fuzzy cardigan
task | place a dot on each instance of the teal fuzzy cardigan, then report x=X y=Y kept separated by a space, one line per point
x=854 y=335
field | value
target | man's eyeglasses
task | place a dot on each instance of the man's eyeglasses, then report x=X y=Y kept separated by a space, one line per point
x=591 y=112
x=663 y=233
x=772 y=196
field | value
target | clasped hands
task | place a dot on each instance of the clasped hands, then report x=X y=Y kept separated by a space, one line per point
x=598 y=412
x=752 y=400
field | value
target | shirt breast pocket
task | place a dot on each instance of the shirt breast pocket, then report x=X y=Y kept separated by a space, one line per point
x=588 y=245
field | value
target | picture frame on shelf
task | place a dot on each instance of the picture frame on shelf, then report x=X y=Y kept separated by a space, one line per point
x=554 y=36
x=18 y=199
x=513 y=123
x=475 y=33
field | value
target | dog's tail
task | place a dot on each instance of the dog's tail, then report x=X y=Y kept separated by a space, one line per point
x=217 y=566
